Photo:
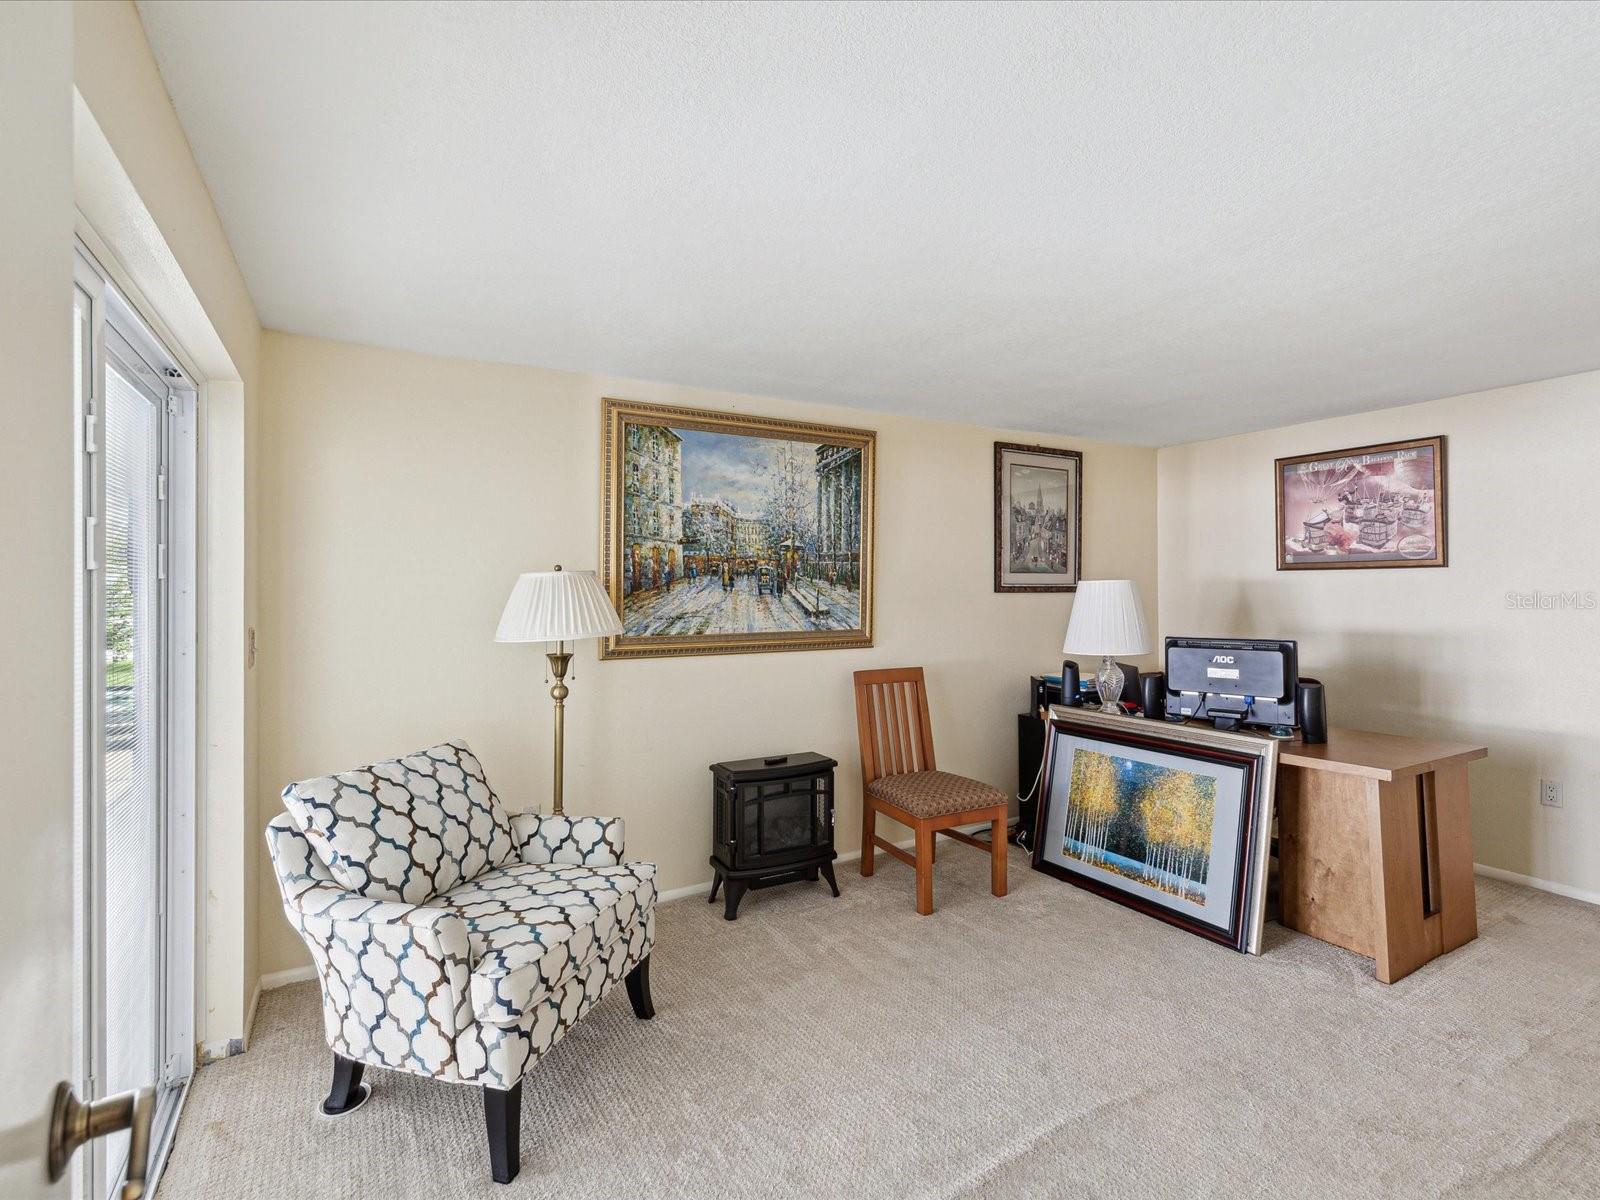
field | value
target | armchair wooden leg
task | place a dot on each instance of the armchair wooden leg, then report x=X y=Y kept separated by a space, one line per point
x=348 y=1093
x=997 y=855
x=502 y=1113
x=925 y=838
x=869 y=831
x=639 y=990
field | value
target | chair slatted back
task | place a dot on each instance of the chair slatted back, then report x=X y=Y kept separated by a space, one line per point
x=892 y=722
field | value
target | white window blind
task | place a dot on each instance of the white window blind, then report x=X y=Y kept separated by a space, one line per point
x=133 y=735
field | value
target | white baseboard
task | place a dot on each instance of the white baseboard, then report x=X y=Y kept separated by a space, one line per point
x=694 y=889
x=273 y=980
x=250 y=1016
x=700 y=889
x=209 y=1052
x=1543 y=885
x=277 y=979
x=212 y=1051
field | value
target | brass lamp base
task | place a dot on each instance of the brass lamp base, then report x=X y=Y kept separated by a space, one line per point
x=560 y=658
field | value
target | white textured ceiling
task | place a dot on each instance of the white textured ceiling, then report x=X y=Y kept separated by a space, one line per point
x=1142 y=222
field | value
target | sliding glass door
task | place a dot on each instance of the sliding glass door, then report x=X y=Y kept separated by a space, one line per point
x=136 y=845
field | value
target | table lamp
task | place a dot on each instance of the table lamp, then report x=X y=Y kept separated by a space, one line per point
x=557 y=606
x=1107 y=620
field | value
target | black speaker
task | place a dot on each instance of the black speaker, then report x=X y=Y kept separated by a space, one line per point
x=1153 y=695
x=1069 y=682
x=1130 y=684
x=1311 y=709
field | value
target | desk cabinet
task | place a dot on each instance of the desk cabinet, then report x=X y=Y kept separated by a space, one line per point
x=1375 y=846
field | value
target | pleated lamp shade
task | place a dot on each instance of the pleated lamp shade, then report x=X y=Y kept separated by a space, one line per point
x=1107 y=619
x=557 y=606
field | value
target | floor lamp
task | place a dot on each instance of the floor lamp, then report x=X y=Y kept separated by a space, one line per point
x=557 y=606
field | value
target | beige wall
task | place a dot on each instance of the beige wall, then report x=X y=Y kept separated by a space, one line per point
x=37 y=578
x=1438 y=651
x=139 y=190
x=403 y=494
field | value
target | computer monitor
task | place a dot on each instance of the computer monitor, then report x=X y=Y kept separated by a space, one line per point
x=1232 y=681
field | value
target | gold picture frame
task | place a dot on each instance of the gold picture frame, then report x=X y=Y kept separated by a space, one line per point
x=723 y=533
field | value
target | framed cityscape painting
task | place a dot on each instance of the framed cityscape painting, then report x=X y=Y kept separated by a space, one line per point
x=1373 y=506
x=1172 y=820
x=1038 y=518
x=727 y=534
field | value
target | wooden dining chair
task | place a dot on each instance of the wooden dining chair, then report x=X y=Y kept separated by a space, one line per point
x=899 y=779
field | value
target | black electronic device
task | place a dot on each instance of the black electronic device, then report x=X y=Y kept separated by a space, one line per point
x=1311 y=707
x=1233 y=682
x=1130 y=685
x=1153 y=694
x=1043 y=691
x=1069 y=682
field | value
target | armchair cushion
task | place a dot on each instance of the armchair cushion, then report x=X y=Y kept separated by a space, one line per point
x=532 y=927
x=408 y=829
x=591 y=841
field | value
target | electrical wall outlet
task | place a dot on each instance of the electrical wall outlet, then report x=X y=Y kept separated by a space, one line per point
x=1550 y=793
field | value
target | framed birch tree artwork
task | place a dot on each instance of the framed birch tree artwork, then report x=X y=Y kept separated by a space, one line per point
x=1038 y=518
x=1171 y=820
x=723 y=533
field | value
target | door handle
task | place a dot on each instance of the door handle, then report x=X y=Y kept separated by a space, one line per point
x=72 y=1123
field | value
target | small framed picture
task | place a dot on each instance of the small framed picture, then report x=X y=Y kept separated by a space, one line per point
x=1372 y=506
x=1038 y=518
x=1172 y=820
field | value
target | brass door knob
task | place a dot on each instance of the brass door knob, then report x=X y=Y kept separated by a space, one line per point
x=72 y=1123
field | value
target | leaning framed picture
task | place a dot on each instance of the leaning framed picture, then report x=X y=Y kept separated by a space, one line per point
x=1038 y=518
x=1371 y=506
x=723 y=533
x=1172 y=820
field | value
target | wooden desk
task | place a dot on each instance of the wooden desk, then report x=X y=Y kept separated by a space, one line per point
x=1375 y=846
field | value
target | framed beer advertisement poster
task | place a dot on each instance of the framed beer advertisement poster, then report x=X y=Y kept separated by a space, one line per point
x=1371 y=506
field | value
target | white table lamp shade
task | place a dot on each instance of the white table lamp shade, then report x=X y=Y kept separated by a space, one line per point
x=557 y=606
x=1107 y=619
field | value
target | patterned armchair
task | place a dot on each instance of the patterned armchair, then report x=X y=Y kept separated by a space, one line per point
x=452 y=940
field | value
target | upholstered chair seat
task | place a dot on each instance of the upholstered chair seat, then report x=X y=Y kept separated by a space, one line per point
x=934 y=793
x=453 y=940
x=532 y=927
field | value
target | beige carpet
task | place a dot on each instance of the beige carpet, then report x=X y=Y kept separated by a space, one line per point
x=1046 y=1044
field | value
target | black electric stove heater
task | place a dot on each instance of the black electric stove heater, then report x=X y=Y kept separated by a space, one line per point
x=771 y=823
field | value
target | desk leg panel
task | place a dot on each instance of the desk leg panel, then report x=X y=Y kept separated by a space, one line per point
x=1458 y=899
x=1406 y=935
